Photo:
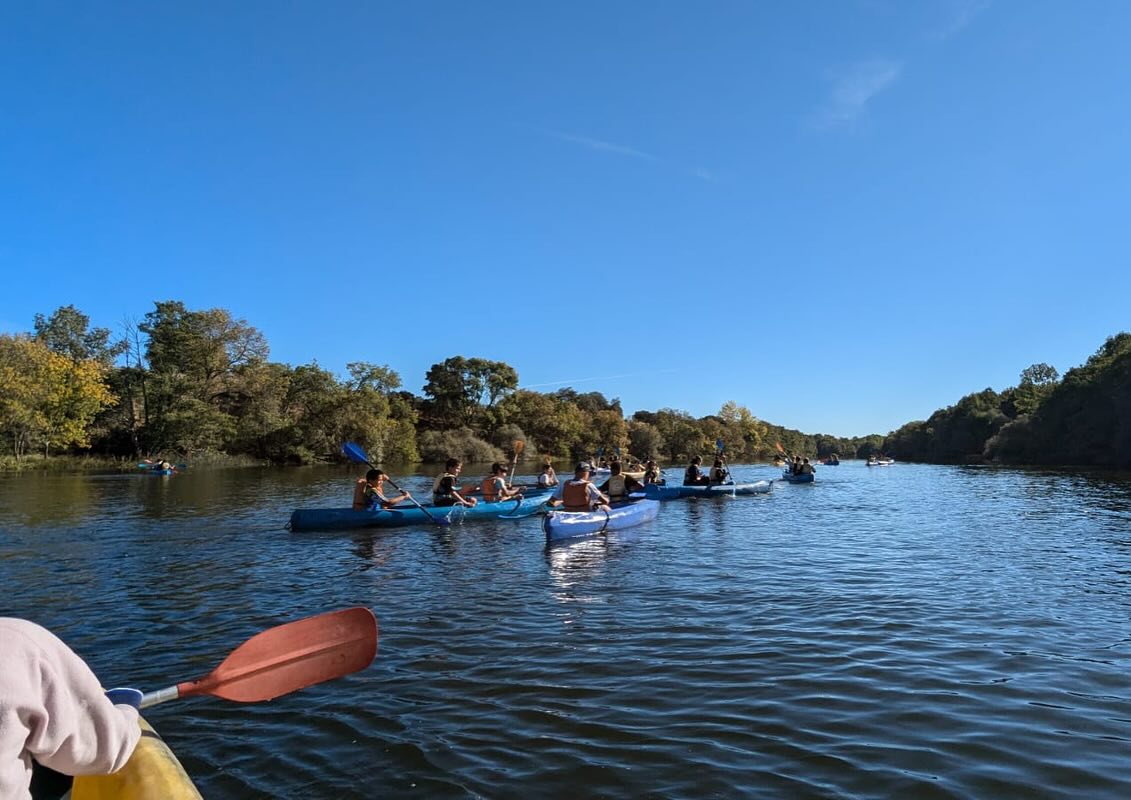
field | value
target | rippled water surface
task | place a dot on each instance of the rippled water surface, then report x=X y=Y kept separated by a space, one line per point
x=908 y=631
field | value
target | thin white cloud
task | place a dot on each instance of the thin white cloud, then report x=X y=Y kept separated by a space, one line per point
x=961 y=14
x=600 y=145
x=854 y=88
x=599 y=378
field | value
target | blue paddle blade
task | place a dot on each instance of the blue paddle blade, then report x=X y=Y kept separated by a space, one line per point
x=354 y=453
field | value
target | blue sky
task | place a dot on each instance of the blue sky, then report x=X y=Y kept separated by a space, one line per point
x=843 y=215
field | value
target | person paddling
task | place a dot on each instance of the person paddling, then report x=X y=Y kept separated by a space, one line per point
x=719 y=473
x=446 y=490
x=494 y=486
x=619 y=485
x=693 y=475
x=579 y=494
x=53 y=710
x=547 y=478
x=652 y=473
x=369 y=492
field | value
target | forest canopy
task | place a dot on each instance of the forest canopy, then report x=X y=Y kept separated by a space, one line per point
x=187 y=382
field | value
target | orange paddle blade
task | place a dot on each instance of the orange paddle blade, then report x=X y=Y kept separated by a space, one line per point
x=293 y=656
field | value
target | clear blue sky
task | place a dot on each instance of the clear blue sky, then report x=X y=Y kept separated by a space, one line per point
x=843 y=215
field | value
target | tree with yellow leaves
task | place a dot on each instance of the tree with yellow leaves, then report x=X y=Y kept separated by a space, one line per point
x=49 y=400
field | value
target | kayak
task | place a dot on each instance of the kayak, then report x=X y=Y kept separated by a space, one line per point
x=152 y=773
x=342 y=519
x=569 y=524
x=657 y=492
x=886 y=462
x=805 y=477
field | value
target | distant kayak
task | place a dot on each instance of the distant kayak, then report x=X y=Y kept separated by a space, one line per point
x=657 y=492
x=403 y=515
x=569 y=524
x=802 y=478
x=883 y=462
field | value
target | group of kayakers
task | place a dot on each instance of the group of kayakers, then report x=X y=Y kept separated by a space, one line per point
x=694 y=475
x=370 y=492
x=799 y=466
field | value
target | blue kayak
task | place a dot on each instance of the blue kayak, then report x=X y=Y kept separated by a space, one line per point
x=657 y=492
x=341 y=519
x=569 y=524
x=802 y=478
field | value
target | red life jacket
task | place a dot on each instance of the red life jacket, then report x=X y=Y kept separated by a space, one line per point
x=575 y=496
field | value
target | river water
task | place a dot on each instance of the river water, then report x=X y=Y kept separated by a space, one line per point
x=906 y=631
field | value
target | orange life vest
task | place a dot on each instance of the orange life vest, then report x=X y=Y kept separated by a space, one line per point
x=575 y=496
x=489 y=488
x=360 y=501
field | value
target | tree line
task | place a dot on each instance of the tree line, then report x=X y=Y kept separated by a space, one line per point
x=183 y=382
x=1082 y=419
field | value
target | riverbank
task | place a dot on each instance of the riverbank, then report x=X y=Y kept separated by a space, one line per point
x=92 y=463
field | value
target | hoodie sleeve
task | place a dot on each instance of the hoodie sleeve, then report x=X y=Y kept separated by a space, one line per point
x=69 y=724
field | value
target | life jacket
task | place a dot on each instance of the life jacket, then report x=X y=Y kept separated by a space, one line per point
x=360 y=500
x=575 y=496
x=490 y=489
x=616 y=486
x=443 y=489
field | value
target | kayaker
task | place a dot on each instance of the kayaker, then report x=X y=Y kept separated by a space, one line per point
x=369 y=492
x=446 y=490
x=579 y=494
x=494 y=486
x=53 y=710
x=652 y=473
x=693 y=475
x=807 y=468
x=619 y=485
x=547 y=478
x=719 y=473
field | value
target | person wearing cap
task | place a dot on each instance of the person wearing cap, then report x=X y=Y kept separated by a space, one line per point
x=446 y=490
x=369 y=492
x=652 y=473
x=494 y=486
x=619 y=485
x=693 y=475
x=579 y=494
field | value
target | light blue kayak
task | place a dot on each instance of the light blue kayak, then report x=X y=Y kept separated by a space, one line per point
x=657 y=492
x=569 y=524
x=342 y=519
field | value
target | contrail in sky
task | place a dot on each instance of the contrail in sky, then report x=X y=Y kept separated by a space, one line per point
x=598 y=378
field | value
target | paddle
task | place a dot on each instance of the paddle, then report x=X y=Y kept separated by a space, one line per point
x=518 y=448
x=355 y=453
x=286 y=658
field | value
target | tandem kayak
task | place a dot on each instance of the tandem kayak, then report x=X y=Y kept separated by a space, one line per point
x=568 y=524
x=341 y=519
x=152 y=773
x=805 y=477
x=657 y=492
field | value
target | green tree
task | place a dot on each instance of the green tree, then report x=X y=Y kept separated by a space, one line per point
x=67 y=332
x=459 y=388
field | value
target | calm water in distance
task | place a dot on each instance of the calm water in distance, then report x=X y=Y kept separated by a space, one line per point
x=908 y=631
